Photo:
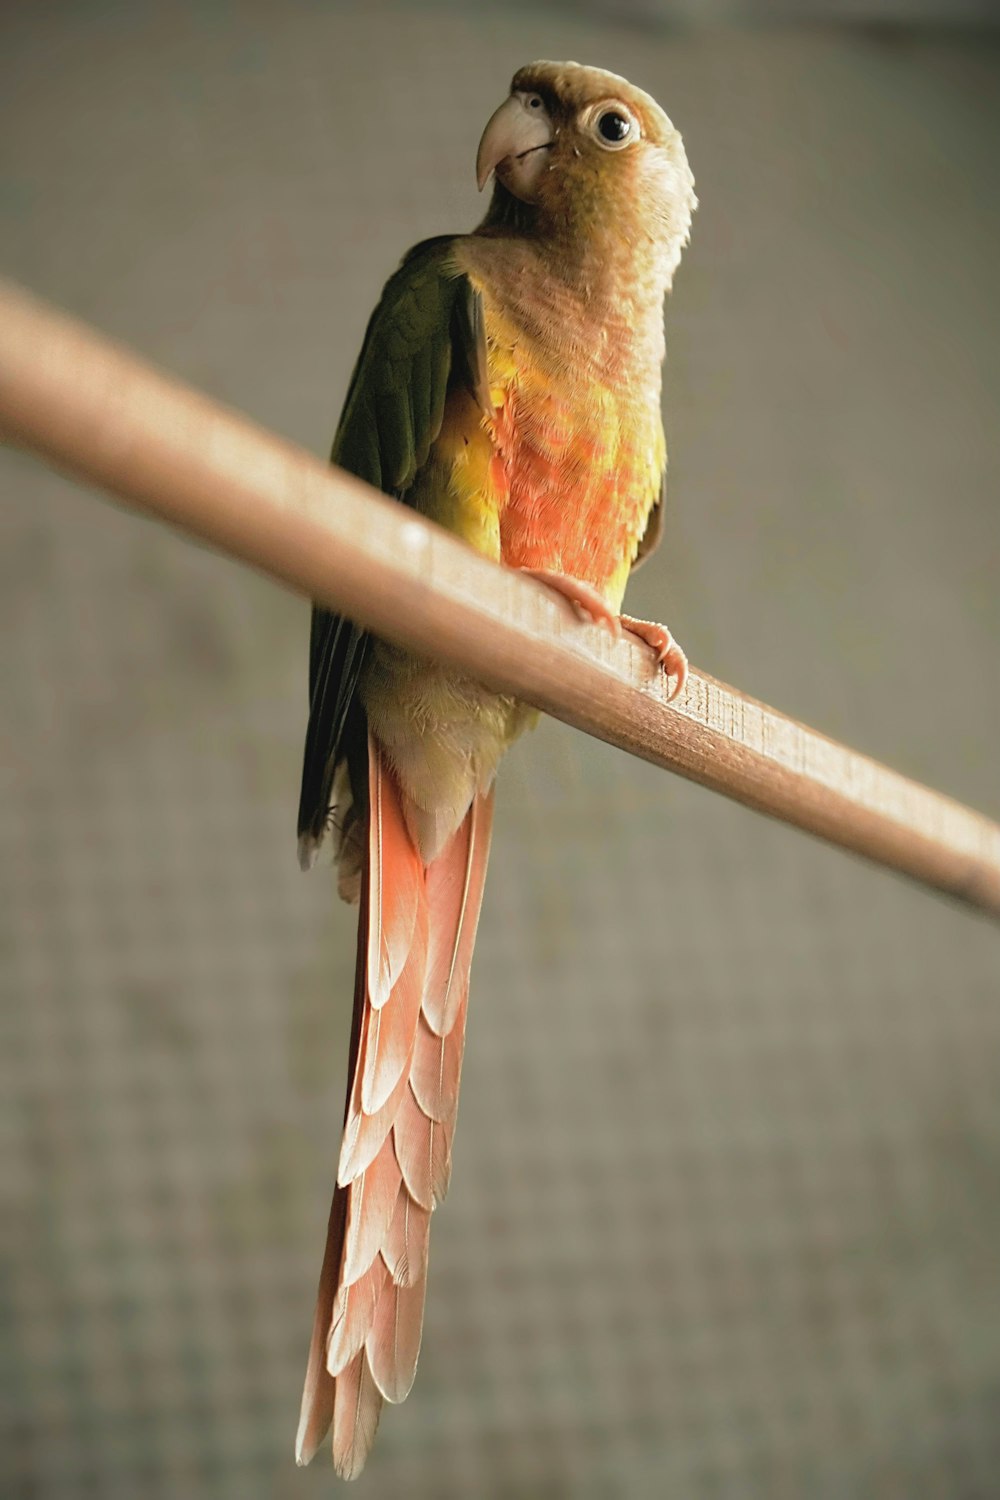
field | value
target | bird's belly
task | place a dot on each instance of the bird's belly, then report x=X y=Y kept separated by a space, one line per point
x=444 y=735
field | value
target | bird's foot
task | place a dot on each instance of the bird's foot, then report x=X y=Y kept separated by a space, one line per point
x=590 y=604
x=585 y=599
x=668 y=654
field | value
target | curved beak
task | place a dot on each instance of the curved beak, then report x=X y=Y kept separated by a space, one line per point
x=517 y=130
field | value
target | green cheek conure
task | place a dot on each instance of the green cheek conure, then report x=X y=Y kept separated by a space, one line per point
x=509 y=389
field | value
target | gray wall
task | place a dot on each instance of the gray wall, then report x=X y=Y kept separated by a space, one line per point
x=725 y=1207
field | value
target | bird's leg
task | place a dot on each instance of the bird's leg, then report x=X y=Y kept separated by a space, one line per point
x=585 y=599
x=590 y=604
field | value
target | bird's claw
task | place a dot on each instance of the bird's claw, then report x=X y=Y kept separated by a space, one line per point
x=668 y=654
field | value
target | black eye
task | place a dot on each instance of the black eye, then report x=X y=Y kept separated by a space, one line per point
x=534 y=102
x=613 y=126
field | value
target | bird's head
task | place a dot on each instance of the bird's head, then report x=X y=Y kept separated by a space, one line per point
x=583 y=156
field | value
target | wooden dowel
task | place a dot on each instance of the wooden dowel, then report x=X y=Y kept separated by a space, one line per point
x=96 y=411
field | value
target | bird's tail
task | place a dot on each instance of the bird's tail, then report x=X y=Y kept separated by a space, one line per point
x=416 y=931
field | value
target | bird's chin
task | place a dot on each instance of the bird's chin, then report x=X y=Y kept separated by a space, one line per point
x=522 y=175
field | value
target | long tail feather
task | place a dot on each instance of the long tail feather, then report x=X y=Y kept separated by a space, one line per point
x=353 y=1315
x=390 y=1032
x=455 y=893
x=421 y=1149
x=371 y=1199
x=405 y=1248
x=394 y=1341
x=417 y=928
x=436 y=1067
x=357 y=1408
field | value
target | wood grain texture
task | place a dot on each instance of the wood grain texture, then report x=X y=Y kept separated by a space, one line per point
x=96 y=411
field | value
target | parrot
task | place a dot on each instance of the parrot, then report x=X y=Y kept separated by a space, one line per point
x=508 y=388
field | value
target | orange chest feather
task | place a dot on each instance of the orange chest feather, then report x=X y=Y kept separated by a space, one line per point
x=574 y=479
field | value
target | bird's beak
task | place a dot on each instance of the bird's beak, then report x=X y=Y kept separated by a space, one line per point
x=512 y=144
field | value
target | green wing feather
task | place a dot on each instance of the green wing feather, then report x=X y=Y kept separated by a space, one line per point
x=426 y=335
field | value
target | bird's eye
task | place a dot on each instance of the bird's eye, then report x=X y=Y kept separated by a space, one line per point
x=534 y=101
x=611 y=124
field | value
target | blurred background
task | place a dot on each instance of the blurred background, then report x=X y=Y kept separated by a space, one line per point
x=726 y=1202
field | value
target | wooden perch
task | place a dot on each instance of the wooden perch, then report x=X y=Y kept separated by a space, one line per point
x=96 y=411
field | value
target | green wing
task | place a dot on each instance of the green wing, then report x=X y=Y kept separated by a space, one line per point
x=426 y=336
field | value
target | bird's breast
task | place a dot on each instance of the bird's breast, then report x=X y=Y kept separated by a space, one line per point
x=576 y=470
x=576 y=432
